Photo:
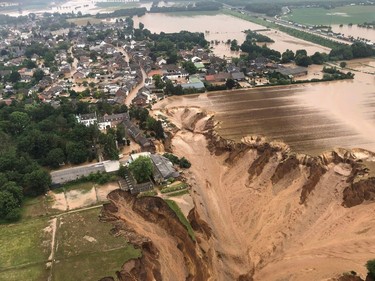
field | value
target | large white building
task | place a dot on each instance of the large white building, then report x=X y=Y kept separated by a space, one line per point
x=104 y=121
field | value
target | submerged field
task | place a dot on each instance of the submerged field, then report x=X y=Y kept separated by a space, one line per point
x=310 y=118
x=340 y=15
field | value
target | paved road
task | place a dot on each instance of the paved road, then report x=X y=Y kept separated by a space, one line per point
x=71 y=174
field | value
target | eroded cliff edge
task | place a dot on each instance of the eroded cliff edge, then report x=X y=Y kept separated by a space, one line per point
x=261 y=211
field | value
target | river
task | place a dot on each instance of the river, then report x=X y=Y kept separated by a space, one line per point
x=310 y=118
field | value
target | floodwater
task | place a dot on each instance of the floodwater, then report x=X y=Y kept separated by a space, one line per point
x=355 y=31
x=310 y=118
x=222 y=27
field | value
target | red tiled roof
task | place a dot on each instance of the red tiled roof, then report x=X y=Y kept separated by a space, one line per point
x=155 y=72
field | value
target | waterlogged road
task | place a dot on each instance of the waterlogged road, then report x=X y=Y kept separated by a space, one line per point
x=310 y=118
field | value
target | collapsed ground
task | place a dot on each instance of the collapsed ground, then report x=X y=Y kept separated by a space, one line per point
x=261 y=213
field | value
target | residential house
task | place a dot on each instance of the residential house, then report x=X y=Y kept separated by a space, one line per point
x=138 y=136
x=238 y=76
x=163 y=168
x=194 y=83
x=87 y=119
x=293 y=72
x=78 y=75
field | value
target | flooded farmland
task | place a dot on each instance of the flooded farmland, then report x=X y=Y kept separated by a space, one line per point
x=222 y=27
x=355 y=31
x=310 y=118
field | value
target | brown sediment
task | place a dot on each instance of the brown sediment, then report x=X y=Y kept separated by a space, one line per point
x=359 y=192
x=261 y=211
x=168 y=252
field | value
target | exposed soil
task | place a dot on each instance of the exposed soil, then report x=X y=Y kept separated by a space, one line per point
x=76 y=199
x=168 y=252
x=261 y=212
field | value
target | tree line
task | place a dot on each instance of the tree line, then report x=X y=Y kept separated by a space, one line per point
x=38 y=135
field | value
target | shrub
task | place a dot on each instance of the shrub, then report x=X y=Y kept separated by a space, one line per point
x=184 y=163
x=370 y=265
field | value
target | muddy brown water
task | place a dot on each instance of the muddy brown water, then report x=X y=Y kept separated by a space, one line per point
x=355 y=31
x=310 y=118
x=222 y=27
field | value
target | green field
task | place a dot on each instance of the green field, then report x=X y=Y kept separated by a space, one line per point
x=24 y=249
x=83 y=21
x=85 y=244
x=84 y=248
x=116 y=5
x=340 y=15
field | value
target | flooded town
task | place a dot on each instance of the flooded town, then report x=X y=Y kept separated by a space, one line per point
x=204 y=140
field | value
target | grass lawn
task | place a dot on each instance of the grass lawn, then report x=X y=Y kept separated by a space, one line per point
x=77 y=229
x=24 y=249
x=85 y=245
x=35 y=207
x=82 y=187
x=174 y=187
x=340 y=15
x=36 y=272
x=173 y=205
x=93 y=266
x=178 y=193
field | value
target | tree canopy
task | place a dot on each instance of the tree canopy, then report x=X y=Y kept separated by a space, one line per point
x=370 y=265
x=141 y=169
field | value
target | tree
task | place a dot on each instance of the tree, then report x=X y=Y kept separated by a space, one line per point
x=9 y=207
x=108 y=141
x=342 y=64
x=184 y=163
x=190 y=67
x=230 y=84
x=76 y=153
x=159 y=83
x=38 y=75
x=303 y=60
x=141 y=26
x=287 y=56
x=29 y=64
x=234 y=45
x=301 y=52
x=141 y=169
x=319 y=58
x=37 y=182
x=55 y=157
x=370 y=265
x=14 y=77
x=19 y=120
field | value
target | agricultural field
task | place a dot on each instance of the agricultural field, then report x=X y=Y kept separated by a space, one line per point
x=84 y=21
x=60 y=237
x=25 y=249
x=81 y=245
x=340 y=15
x=110 y=6
x=84 y=245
